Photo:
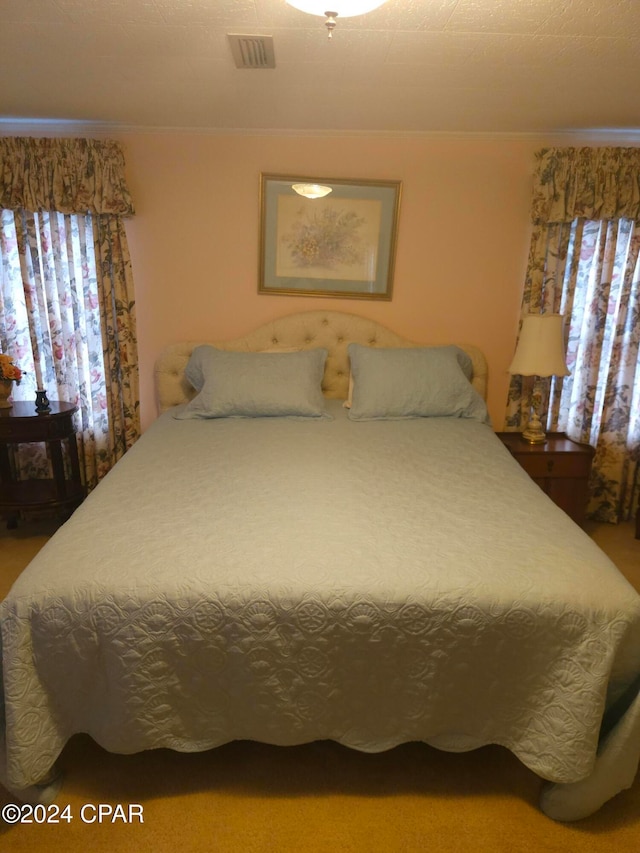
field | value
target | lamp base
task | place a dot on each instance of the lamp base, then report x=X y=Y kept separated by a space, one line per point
x=533 y=436
x=533 y=432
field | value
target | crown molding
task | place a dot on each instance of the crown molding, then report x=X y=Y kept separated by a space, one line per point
x=54 y=127
x=10 y=126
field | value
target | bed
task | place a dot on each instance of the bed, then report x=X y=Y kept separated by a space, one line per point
x=321 y=537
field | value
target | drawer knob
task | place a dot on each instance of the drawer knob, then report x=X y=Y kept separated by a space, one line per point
x=550 y=465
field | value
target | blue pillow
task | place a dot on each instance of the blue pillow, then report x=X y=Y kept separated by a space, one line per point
x=255 y=384
x=421 y=382
x=196 y=366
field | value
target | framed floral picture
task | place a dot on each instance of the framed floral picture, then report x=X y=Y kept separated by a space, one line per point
x=328 y=236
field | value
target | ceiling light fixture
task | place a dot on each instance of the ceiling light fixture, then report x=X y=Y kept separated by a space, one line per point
x=311 y=190
x=343 y=8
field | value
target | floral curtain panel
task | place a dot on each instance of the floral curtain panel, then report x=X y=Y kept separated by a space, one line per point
x=67 y=310
x=584 y=264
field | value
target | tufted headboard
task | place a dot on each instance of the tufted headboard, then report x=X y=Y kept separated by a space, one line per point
x=333 y=330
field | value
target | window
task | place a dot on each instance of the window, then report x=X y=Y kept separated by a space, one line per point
x=67 y=309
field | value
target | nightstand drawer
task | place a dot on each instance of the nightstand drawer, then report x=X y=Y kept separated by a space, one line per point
x=560 y=466
x=35 y=428
x=556 y=465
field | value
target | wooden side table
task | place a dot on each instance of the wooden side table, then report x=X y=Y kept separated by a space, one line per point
x=560 y=466
x=21 y=424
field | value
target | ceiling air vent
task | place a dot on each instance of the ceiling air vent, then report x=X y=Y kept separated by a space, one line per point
x=252 y=51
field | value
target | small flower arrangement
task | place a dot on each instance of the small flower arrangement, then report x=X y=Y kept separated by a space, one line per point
x=8 y=369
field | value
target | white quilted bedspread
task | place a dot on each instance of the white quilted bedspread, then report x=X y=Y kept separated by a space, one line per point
x=293 y=580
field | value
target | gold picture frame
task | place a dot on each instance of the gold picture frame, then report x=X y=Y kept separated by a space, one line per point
x=340 y=244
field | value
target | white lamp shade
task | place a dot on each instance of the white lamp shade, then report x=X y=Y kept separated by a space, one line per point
x=342 y=8
x=540 y=349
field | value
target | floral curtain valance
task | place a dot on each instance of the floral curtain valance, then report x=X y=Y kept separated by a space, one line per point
x=74 y=176
x=587 y=183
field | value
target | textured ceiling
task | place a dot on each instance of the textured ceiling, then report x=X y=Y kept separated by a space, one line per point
x=515 y=66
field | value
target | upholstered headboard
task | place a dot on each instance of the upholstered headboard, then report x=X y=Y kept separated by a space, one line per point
x=333 y=330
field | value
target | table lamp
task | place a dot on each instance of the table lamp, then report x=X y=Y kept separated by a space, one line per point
x=539 y=353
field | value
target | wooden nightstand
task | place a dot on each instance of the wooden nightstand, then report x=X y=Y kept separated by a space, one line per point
x=560 y=466
x=21 y=424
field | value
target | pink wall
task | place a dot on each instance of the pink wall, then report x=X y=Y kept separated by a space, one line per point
x=462 y=242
